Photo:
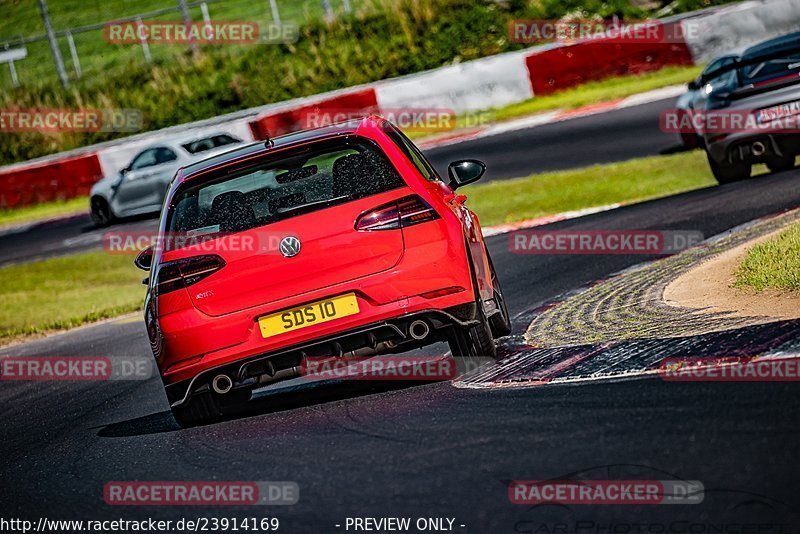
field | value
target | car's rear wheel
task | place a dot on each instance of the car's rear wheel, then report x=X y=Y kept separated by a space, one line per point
x=500 y=323
x=782 y=163
x=101 y=212
x=726 y=172
x=475 y=341
x=207 y=407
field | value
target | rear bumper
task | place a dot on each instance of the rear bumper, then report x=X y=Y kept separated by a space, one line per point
x=193 y=342
x=739 y=148
x=246 y=370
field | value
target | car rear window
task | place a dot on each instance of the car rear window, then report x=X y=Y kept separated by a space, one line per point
x=209 y=143
x=771 y=69
x=293 y=183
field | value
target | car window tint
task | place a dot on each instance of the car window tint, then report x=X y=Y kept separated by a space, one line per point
x=145 y=159
x=412 y=152
x=772 y=69
x=326 y=174
x=209 y=143
x=165 y=155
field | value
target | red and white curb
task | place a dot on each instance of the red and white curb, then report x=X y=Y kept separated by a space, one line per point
x=547 y=219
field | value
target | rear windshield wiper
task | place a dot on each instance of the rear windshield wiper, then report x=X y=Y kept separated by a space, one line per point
x=315 y=204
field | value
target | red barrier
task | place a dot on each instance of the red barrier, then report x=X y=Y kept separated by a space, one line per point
x=292 y=120
x=52 y=180
x=574 y=64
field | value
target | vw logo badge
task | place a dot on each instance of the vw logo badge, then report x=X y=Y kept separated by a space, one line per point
x=290 y=246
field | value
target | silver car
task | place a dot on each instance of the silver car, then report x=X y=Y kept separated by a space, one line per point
x=139 y=188
x=762 y=90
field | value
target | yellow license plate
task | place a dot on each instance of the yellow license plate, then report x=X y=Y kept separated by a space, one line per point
x=310 y=314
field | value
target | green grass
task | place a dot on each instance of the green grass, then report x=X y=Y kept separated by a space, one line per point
x=61 y=293
x=44 y=211
x=97 y=57
x=553 y=192
x=774 y=264
x=601 y=91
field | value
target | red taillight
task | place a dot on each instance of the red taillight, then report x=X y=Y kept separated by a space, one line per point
x=400 y=213
x=181 y=273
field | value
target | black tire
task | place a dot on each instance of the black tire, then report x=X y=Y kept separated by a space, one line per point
x=780 y=163
x=208 y=407
x=500 y=323
x=101 y=212
x=472 y=342
x=726 y=173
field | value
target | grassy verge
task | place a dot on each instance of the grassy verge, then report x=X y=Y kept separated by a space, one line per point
x=44 y=211
x=774 y=264
x=601 y=91
x=553 y=192
x=62 y=293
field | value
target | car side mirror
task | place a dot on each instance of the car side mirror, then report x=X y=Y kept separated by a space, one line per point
x=693 y=85
x=144 y=260
x=124 y=171
x=465 y=172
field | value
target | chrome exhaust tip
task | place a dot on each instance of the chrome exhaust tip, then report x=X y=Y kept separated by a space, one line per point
x=419 y=330
x=222 y=384
x=759 y=148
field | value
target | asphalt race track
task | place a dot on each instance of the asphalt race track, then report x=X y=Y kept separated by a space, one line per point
x=432 y=450
x=616 y=135
x=607 y=137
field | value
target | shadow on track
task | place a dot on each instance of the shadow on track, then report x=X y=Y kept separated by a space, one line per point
x=263 y=403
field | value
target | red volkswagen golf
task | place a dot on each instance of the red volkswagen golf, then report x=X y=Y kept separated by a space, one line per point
x=330 y=242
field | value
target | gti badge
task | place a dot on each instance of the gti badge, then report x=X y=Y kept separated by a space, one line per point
x=290 y=246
